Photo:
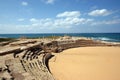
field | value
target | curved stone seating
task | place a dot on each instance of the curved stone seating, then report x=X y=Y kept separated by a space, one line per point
x=22 y=68
x=29 y=61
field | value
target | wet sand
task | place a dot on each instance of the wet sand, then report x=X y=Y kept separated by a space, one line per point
x=87 y=63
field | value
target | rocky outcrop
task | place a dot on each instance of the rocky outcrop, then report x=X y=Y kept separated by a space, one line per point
x=28 y=60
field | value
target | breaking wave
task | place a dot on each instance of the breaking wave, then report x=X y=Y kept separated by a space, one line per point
x=105 y=39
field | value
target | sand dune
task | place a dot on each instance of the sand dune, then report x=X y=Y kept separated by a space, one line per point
x=87 y=63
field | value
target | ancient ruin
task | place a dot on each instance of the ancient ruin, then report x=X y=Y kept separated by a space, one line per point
x=28 y=59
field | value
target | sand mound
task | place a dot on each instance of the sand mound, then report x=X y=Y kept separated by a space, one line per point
x=87 y=63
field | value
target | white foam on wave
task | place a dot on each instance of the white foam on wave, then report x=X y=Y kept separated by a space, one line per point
x=103 y=39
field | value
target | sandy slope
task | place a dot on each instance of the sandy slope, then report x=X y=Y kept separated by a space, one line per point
x=87 y=63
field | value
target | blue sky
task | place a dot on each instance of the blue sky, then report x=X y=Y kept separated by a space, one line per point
x=59 y=16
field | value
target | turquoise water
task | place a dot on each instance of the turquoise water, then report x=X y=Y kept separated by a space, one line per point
x=111 y=37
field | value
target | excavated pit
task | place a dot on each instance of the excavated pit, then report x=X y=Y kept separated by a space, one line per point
x=28 y=60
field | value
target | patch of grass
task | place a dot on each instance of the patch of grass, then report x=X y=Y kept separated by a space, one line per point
x=6 y=39
x=52 y=37
x=48 y=37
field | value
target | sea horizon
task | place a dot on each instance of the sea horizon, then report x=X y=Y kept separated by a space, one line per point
x=110 y=37
x=60 y=32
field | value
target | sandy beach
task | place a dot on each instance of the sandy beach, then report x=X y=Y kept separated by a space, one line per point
x=86 y=63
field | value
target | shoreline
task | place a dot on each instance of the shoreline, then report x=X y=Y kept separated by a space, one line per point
x=49 y=38
x=109 y=37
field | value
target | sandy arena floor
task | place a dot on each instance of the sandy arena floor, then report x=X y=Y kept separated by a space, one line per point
x=87 y=63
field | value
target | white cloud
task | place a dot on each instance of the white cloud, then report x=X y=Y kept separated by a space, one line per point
x=42 y=22
x=21 y=19
x=75 y=21
x=49 y=1
x=101 y=12
x=33 y=20
x=24 y=3
x=59 y=22
x=117 y=21
x=69 y=14
x=107 y=22
x=11 y=28
x=62 y=21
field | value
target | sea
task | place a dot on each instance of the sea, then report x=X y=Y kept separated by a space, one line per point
x=109 y=37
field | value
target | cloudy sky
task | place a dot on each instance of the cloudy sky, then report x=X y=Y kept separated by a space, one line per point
x=59 y=16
